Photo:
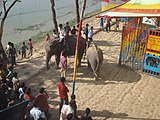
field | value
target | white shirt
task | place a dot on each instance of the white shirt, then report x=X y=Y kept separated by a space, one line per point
x=61 y=33
x=90 y=33
x=20 y=90
x=36 y=113
x=66 y=109
x=7 y=48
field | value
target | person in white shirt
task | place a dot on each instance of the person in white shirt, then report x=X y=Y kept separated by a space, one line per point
x=35 y=113
x=15 y=81
x=90 y=34
x=67 y=109
x=61 y=33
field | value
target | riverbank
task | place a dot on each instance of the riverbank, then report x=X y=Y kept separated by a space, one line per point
x=41 y=35
x=26 y=20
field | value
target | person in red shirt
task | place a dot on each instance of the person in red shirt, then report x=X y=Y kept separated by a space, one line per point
x=30 y=46
x=28 y=96
x=42 y=98
x=63 y=90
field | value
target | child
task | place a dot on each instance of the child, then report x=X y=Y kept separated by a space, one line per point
x=74 y=31
x=67 y=29
x=47 y=38
x=63 y=63
x=108 y=24
x=23 y=49
x=117 y=25
x=101 y=23
x=30 y=46
x=61 y=33
x=86 y=31
x=15 y=81
x=10 y=74
x=86 y=115
x=90 y=35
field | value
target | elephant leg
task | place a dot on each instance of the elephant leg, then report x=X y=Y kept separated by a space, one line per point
x=57 y=60
x=79 y=59
x=78 y=62
x=48 y=57
x=95 y=76
x=85 y=50
x=88 y=64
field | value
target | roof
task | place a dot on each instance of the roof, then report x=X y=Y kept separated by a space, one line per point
x=136 y=8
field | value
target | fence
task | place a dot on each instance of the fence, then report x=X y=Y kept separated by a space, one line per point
x=133 y=45
x=140 y=48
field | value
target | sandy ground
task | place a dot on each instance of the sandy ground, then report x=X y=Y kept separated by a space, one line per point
x=120 y=94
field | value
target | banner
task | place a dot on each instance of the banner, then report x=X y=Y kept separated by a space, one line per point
x=153 y=43
x=108 y=4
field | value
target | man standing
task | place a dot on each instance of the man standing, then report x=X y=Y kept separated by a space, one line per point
x=12 y=54
x=67 y=29
x=63 y=90
x=108 y=24
x=86 y=31
x=24 y=49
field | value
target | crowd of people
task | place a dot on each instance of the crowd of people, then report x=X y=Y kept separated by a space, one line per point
x=68 y=109
x=107 y=23
x=12 y=91
x=12 y=52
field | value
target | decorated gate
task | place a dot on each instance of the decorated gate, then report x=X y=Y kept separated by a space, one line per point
x=133 y=45
x=140 y=48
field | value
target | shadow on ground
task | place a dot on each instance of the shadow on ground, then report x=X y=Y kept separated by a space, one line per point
x=110 y=73
x=105 y=114
x=106 y=43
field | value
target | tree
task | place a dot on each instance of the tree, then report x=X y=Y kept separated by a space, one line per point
x=4 y=16
x=54 y=15
x=77 y=11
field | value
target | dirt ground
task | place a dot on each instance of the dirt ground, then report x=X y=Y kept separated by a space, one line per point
x=120 y=94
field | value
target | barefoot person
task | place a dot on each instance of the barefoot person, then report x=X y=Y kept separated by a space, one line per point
x=86 y=115
x=30 y=46
x=47 y=38
x=63 y=90
x=63 y=62
x=24 y=49
x=42 y=98
x=68 y=109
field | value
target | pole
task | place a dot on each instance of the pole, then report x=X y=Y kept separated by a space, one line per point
x=77 y=45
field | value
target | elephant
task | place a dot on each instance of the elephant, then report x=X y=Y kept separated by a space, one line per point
x=54 y=47
x=153 y=62
x=94 y=56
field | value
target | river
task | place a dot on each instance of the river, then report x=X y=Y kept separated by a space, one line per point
x=29 y=17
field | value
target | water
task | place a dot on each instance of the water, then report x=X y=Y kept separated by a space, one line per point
x=29 y=17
